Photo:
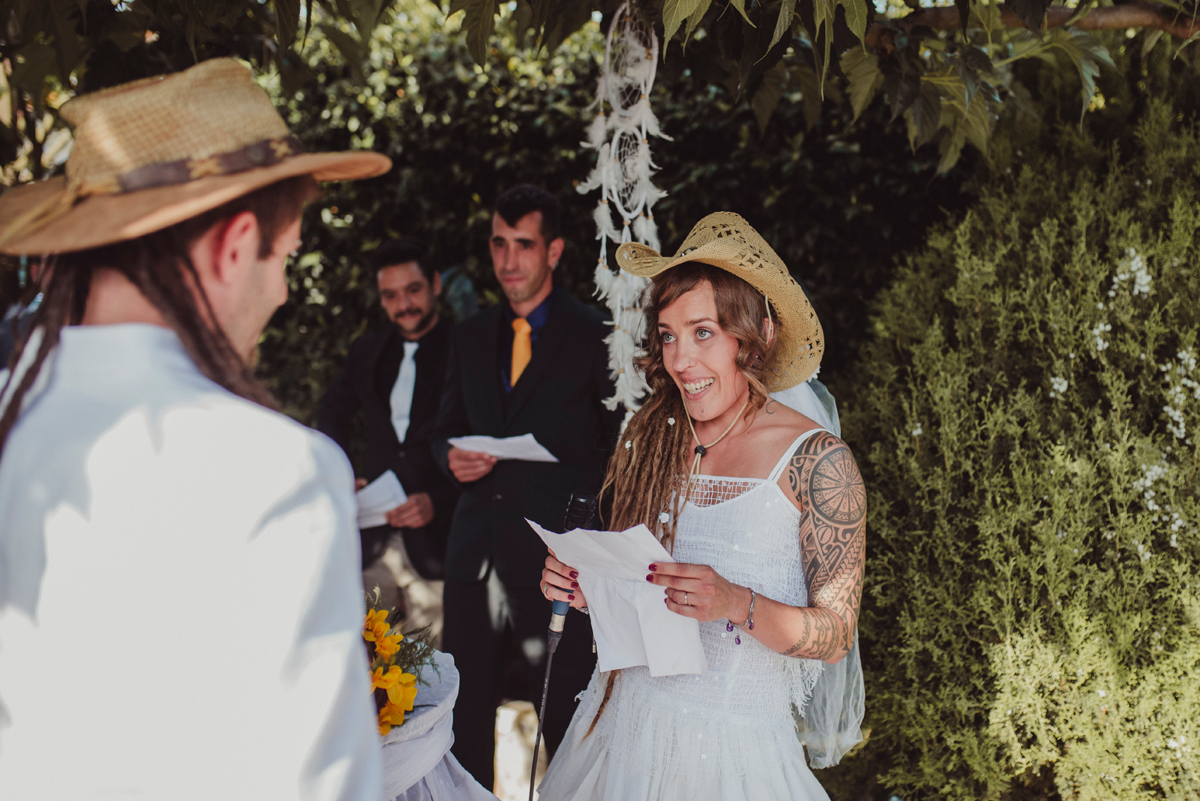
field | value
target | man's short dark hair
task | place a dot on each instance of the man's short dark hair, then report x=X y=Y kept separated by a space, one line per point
x=526 y=199
x=401 y=251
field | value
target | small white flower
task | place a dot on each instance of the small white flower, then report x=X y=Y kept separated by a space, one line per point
x=663 y=517
x=1102 y=693
x=916 y=432
x=628 y=444
x=670 y=421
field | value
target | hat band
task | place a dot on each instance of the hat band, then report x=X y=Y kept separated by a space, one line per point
x=263 y=153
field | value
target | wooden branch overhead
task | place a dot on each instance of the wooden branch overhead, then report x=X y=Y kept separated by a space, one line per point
x=1135 y=14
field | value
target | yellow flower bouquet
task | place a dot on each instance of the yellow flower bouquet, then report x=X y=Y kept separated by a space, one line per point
x=396 y=662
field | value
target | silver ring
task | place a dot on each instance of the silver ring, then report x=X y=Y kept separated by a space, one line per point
x=545 y=589
x=685 y=600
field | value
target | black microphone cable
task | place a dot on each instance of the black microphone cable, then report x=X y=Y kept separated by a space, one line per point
x=580 y=510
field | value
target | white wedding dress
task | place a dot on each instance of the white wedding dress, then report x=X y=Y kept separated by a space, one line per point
x=730 y=735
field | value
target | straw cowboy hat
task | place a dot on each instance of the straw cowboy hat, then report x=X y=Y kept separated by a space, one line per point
x=727 y=241
x=155 y=152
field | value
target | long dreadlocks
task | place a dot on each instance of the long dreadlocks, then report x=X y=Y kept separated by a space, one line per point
x=647 y=473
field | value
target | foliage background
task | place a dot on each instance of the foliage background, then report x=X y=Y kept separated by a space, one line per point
x=838 y=200
x=1026 y=420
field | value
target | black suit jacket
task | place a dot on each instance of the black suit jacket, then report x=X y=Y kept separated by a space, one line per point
x=411 y=460
x=559 y=399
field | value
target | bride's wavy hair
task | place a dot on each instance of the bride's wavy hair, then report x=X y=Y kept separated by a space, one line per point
x=647 y=472
x=648 y=469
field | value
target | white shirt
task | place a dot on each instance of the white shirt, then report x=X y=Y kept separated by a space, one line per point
x=402 y=390
x=180 y=599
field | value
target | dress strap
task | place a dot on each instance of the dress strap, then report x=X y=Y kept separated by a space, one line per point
x=787 y=454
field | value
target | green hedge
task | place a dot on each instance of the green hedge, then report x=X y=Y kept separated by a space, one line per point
x=1029 y=415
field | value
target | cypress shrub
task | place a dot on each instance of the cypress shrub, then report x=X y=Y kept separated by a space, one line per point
x=1027 y=418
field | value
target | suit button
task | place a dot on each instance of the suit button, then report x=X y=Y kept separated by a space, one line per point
x=497 y=497
x=402 y=454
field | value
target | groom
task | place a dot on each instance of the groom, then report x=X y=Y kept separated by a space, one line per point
x=180 y=605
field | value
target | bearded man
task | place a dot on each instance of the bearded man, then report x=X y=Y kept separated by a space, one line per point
x=394 y=377
x=180 y=601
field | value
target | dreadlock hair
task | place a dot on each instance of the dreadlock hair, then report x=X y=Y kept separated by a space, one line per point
x=647 y=473
x=159 y=264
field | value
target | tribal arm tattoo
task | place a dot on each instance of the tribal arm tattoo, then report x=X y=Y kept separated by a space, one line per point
x=828 y=490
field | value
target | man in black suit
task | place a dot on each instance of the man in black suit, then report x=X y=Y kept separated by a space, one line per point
x=395 y=377
x=534 y=364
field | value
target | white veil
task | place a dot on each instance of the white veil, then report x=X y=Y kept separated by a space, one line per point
x=831 y=722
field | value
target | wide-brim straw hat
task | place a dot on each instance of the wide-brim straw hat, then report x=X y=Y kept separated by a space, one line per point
x=158 y=151
x=727 y=241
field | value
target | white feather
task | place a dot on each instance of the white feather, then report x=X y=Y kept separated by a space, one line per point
x=604 y=223
x=597 y=131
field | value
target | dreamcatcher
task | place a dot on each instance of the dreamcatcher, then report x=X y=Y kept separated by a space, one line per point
x=627 y=193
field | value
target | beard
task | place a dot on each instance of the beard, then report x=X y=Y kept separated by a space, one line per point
x=425 y=319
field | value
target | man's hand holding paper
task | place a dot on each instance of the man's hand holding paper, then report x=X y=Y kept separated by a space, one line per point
x=631 y=623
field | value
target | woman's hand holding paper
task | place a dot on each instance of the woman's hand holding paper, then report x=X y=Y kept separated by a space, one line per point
x=700 y=592
x=561 y=583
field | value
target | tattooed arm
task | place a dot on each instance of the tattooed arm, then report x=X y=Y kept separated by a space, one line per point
x=824 y=483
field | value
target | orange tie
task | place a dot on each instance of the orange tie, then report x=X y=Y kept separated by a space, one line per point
x=522 y=348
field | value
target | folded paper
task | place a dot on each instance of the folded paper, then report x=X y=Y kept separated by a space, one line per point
x=631 y=623
x=524 y=447
x=378 y=498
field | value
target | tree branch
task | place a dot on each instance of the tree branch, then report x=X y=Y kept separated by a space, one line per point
x=1135 y=14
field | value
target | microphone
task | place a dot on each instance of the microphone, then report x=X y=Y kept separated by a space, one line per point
x=580 y=510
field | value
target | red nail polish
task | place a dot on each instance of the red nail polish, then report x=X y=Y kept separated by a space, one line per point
x=570 y=597
x=654 y=567
x=650 y=577
x=574 y=574
x=574 y=585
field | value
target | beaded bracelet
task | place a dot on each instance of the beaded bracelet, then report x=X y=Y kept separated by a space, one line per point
x=749 y=624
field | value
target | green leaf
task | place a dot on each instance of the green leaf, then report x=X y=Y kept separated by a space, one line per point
x=695 y=18
x=479 y=23
x=977 y=60
x=964 y=13
x=865 y=77
x=1087 y=53
x=675 y=13
x=287 y=20
x=1152 y=39
x=769 y=93
x=455 y=7
x=924 y=116
x=1031 y=12
x=308 y=21
x=856 y=17
x=810 y=92
x=787 y=12
x=740 y=5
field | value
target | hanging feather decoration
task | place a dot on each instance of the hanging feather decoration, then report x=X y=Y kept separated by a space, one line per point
x=624 y=175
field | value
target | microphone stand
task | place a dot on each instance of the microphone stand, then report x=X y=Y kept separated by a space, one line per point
x=579 y=511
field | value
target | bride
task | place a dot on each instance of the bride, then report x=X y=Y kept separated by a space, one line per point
x=763 y=510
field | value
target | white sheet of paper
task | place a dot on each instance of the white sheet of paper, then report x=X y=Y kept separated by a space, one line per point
x=631 y=623
x=524 y=447
x=378 y=498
